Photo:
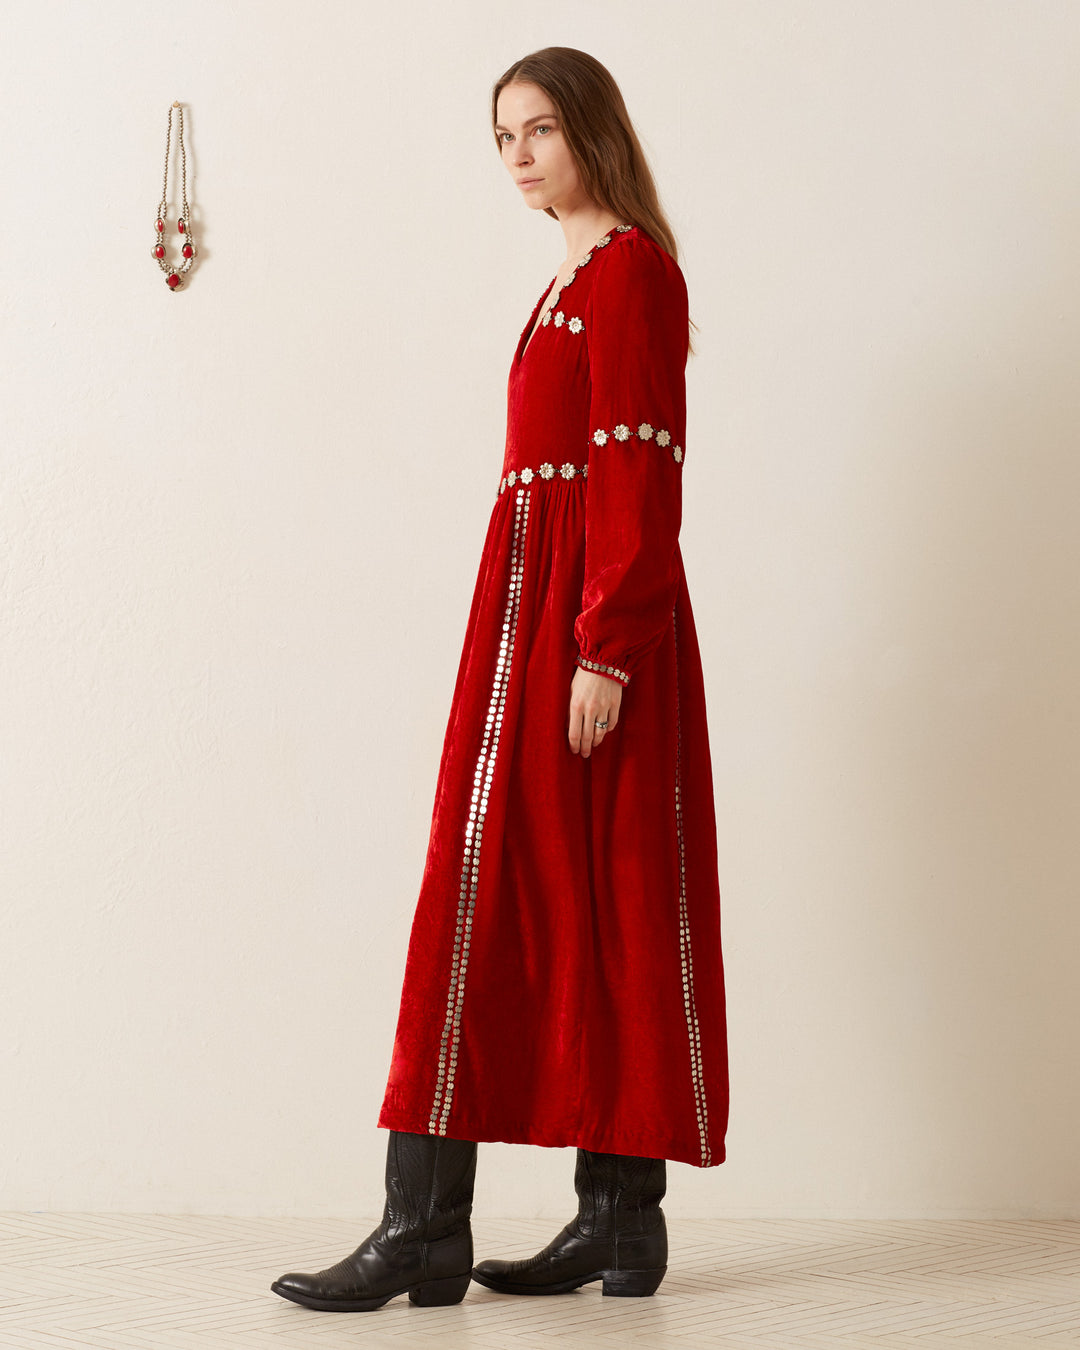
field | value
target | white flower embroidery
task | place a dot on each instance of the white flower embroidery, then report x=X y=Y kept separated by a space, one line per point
x=546 y=319
x=546 y=471
x=645 y=432
x=560 y=319
x=619 y=229
x=576 y=325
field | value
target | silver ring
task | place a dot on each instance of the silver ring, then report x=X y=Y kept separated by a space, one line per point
x=601 y=725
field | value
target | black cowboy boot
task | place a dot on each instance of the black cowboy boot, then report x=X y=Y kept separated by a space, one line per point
x=424 y=1243
x=618 y=1235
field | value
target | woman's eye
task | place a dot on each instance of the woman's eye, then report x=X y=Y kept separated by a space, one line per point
x=504 y=134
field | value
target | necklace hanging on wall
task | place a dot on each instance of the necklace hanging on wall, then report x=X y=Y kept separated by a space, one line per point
x=174 y=276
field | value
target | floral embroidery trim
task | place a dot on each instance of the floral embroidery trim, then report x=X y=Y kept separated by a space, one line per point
x=645 y=432
x=620 y=675
x=575 y=324
x=600 y=243
x=545 y=471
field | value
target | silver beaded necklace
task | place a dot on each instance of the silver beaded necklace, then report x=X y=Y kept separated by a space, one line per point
x=174 y=276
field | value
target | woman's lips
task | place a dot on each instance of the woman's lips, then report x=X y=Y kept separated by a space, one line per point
x=529 y=182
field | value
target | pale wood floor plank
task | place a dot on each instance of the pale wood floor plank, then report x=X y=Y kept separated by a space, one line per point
x=187 y=1282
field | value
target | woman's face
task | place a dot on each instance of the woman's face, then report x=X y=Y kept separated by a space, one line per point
x=534 y=149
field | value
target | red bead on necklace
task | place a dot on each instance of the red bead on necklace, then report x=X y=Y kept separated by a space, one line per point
x=174 y=276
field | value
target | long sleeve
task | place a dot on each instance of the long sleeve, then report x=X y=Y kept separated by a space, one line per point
x=637 y=328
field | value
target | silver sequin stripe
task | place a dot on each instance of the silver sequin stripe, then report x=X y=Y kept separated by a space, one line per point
x=470 y=867
x=620 y=675
x=545 y=471
x=696 y=1070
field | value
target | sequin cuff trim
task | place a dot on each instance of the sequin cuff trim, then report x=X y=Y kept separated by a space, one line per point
x=613 y=671
x=544 y=471
x=645 y=432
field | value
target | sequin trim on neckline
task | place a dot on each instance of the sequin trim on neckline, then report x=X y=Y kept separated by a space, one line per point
x=600 y=243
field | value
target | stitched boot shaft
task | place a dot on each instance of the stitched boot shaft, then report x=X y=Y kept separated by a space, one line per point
x=423 y=1243
x=619 y=1234
x=429 y=1188
x=618 y=1195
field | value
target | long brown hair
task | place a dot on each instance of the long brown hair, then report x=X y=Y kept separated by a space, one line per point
x=610 y=161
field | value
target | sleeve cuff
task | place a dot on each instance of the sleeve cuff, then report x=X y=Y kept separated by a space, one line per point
x=612 y=672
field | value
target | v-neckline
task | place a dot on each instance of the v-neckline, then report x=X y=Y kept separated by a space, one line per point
x=532 y=328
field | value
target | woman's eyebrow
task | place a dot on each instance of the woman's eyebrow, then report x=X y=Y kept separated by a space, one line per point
x=544 y=117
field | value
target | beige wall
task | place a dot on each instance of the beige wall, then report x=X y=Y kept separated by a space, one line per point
x=240 y=527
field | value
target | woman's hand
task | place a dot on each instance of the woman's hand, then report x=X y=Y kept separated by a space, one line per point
x=593 y=697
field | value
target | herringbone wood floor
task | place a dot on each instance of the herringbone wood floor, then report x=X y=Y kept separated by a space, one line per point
x=168 y=1282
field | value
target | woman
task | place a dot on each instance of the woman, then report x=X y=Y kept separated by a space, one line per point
x=564 y=983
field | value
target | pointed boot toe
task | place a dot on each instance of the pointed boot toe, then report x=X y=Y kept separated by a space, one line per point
x=492 y=1272
x=300 y=1287
x=339 y=1288
x=558 y=1269
x=295 y=1282
x=492 y=1269
x=422 y=1247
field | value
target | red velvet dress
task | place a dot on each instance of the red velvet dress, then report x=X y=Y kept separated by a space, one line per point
x=564 y=984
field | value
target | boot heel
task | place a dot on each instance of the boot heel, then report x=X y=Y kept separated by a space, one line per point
x=441 y=1293
x=633 y=1283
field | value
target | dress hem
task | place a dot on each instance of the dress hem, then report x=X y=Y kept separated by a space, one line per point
x=606 y=1142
